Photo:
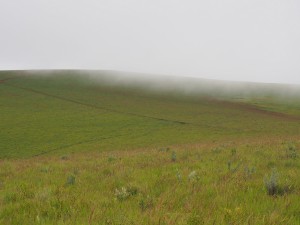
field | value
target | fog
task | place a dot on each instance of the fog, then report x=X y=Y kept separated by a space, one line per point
x=175 y=85
x=240 y=40
x=191 y=86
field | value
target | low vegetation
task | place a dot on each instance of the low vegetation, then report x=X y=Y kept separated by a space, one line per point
x=144 y=186
x=78 y=153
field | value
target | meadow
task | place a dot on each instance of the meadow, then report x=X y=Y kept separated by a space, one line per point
x=75 y=150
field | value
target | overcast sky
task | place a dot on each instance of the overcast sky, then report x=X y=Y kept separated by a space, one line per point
x=254 y=40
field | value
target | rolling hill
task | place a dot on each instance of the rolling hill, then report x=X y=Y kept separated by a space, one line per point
x=103 y=147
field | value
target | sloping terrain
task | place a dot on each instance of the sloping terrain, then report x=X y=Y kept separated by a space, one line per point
x=43 y=114
x=80 y=149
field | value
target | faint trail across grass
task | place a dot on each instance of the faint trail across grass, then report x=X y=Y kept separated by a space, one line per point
x=151 y=117
x=91 y=141
x=98 y=107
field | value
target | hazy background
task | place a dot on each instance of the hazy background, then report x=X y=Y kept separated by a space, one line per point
x=255 y=40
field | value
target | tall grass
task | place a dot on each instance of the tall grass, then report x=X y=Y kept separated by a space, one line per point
x=144 y=186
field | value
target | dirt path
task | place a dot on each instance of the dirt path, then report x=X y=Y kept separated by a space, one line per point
x=4 y=80
x=97 y=107
x=254 y=109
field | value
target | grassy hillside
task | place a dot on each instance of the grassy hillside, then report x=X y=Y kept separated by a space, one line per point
x=65 y=113
x=79 y=150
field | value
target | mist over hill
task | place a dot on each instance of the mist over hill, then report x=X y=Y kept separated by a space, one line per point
x=175 y=84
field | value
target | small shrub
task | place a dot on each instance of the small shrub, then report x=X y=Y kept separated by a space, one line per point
x=70 y=180
x=271 y=164
x=217 y=150
x=232 y=168
x=122 y=194
x=132 y=190
x=76 y=171
x=173 y=156
x=233 y=151
x=193 y=176
x=178 y=175
x=271 y=183
x=146 y=203
x=43 y=195
x=45 y=170
x=125 y=192
x=249 y=171
x=291 y=151
x=111 y=159
x=64 y=157
x=274 y=188
x=229 y=165
x=108 y=172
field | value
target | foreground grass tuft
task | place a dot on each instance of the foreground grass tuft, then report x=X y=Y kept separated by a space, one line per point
x=272 y=184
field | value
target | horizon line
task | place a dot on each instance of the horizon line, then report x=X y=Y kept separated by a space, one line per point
x=154 y=74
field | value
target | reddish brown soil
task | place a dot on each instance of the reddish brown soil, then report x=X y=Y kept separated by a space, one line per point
x=2 y=81
x=254 y=109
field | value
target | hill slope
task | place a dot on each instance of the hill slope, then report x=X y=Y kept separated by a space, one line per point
x=82 y=148
x=65 y=112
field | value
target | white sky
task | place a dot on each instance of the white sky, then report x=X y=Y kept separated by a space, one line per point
x=254 y=40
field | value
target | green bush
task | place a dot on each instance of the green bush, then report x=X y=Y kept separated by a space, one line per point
x=271 y=183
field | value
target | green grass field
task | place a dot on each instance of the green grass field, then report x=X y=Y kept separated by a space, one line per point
x=75 y=150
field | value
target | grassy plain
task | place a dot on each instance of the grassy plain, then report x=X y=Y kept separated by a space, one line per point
x=78 y=151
